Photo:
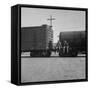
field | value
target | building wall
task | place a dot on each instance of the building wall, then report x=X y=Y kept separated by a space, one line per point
x=36 y=37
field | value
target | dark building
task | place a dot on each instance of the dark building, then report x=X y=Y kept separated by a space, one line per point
x=36 y=37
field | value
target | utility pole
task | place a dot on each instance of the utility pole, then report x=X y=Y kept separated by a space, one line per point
x=50 y=19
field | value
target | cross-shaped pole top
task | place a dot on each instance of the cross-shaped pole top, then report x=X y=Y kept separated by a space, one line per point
x=50 y=19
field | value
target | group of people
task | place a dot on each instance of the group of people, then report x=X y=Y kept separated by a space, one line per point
x=64 y=47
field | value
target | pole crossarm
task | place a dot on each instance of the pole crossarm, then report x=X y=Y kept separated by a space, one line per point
x=51 y=19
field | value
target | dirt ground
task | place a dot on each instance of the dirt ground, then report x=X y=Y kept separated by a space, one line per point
x=53 y=68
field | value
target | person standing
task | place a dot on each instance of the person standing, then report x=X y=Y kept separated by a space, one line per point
x=66 y=47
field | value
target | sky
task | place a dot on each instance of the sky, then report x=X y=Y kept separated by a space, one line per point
x=65 y=20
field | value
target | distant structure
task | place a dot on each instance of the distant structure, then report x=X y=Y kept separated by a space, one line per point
x=36 y=37
x=51 y=19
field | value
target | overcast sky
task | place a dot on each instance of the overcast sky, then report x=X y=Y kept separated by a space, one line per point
x=65 y=20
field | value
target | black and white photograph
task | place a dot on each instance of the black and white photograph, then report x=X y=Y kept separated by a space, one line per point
x=53 y=44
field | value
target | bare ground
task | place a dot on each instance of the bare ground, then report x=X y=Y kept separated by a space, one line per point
x=50 y=69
